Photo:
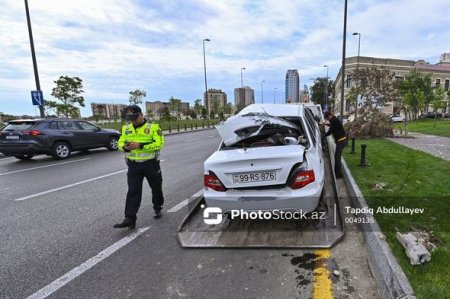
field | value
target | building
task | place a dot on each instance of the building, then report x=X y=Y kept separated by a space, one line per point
x=292 y=87
x=214 y=96
x=108 y=111
x=156 y=108
x=244 y=96
x=440 y=76
x=304 y=95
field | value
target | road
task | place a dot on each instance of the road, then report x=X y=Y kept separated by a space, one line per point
x=57 y=238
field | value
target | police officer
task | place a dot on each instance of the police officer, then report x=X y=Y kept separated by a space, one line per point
x=340 y=137
x=141 y=141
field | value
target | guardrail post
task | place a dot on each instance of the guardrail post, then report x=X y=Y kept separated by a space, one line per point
x=178 y=128
x=170 y=130
x=192 y=127
x=185 y=127
x=363 y=155
x=208 y=123
x=353 y=146
x=196 y=126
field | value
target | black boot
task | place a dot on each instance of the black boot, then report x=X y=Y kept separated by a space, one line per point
x=127 y=222
x=158 y=214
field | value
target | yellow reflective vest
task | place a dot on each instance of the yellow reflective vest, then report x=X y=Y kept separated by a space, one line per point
x=148 y=135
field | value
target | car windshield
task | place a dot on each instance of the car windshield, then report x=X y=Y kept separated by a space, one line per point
x=19 y=126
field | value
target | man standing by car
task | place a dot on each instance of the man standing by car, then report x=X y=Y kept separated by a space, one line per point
x=340 y=137
x=141 y=141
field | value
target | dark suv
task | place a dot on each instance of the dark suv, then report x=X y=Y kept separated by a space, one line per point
x=24 y=139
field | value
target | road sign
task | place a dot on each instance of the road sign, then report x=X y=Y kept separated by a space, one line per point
x=37 y=97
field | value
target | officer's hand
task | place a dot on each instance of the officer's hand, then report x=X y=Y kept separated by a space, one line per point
x=132 y=145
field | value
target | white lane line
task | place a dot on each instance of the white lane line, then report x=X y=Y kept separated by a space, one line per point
x=69 y=186
x=37 y=167
x=74 y=273
x=190 y=140
x=184 y=202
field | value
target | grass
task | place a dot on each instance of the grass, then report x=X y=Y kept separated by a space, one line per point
x=173 y=125
x=440 y=127
x=414 y=179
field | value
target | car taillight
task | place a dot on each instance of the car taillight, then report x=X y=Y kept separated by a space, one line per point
x=33 y=132
x=213 y=182
x=302 y=179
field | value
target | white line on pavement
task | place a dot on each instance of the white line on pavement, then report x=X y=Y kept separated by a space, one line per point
x=69 y=186
x=37 y=167
x=74 y=273
x=184 y=202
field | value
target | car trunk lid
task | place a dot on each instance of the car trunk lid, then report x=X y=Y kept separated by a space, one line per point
x=255 y=167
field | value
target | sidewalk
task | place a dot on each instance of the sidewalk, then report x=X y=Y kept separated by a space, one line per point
x=435 y=145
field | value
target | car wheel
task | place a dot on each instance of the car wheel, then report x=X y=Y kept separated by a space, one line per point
x=61 y=150
x=24 y=157
x=112 y=143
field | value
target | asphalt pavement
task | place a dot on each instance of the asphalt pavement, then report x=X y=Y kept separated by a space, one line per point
x=57 y=238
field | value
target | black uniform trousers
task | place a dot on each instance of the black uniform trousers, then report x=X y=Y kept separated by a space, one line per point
x=137 y=171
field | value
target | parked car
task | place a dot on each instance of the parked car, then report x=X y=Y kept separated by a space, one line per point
x=24 y=139
x=431 y=115
x=270 y=158
x=397 y=118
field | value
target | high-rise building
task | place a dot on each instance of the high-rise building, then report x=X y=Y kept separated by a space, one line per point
x=214 y=97
x=244 y=96
x=108 y=111
x=292 y=86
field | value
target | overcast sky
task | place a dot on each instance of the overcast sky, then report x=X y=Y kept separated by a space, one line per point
x=116 y=46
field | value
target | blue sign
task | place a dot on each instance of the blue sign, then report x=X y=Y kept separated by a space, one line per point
x=37 y=97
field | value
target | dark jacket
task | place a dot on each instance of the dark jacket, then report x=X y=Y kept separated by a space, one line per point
x=336 y=129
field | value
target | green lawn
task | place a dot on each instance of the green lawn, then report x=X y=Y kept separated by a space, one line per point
x=440 y=127
x=415 y=180
x=173 y=125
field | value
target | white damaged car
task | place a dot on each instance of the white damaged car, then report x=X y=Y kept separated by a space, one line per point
x=270 y=158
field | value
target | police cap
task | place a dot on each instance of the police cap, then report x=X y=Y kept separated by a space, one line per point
x=132 y=112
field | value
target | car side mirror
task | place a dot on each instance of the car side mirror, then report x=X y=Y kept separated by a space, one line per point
x=97 y=129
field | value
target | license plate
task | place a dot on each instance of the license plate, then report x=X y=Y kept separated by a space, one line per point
x=257 y=176
x=12 y=137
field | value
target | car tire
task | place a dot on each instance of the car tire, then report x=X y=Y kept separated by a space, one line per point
x=61 y=150
x=113 y=143
x=24 y=157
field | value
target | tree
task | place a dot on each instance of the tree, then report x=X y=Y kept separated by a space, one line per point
x=437 y=102
x=198 y=106
x=136 y=96
x=216 y=105
x=227 y=108
x=204 y=113
x=50 y=108
x=68 y=90
x=377 y=87
x=175 y=105
x=192 y=113
x=416 y=92
x=318 y=90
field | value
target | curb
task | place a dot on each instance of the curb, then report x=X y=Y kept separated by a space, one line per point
x=391 y=280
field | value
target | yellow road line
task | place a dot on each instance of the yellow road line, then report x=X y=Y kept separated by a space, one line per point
x=322 y=286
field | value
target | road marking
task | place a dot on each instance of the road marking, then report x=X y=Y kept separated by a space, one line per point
x=184 y=202
x=74 y=273
x=190 y=140
x=37 y=167
x=322 y=287
x=69 y=186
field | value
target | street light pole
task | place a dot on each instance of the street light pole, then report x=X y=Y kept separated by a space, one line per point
x=326 y=90
x=204 y=66
x=344 y=37
x=274 y=90
x=262 y=91
x=242 y=81
x=33 y=55
x=357 y=67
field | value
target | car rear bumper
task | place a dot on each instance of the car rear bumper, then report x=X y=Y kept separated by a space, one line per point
x=14 y=149
x=305 y=199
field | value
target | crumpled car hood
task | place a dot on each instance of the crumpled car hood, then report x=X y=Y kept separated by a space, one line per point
x=241 y=127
